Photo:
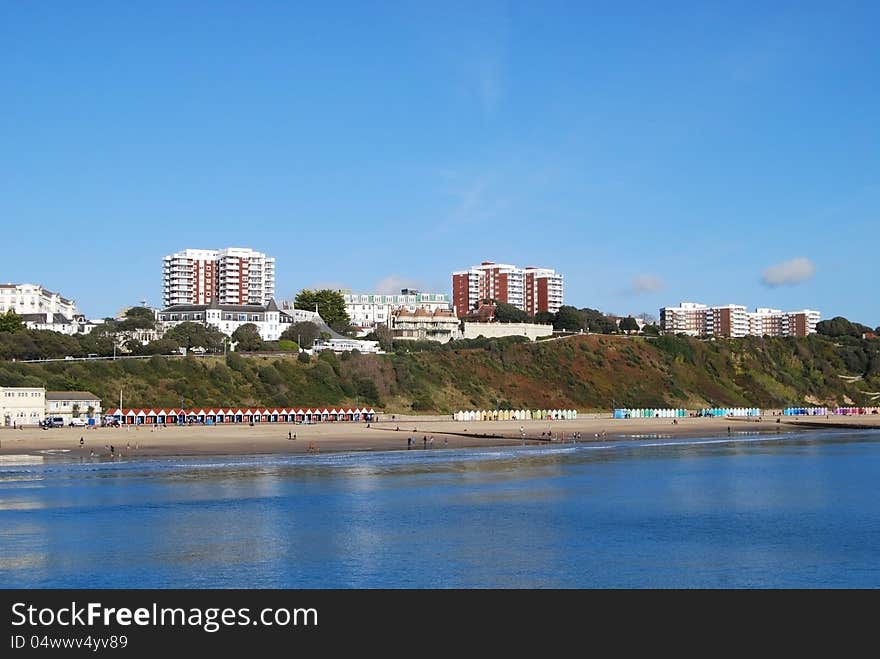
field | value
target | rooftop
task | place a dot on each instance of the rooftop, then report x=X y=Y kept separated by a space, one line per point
x=71 y=395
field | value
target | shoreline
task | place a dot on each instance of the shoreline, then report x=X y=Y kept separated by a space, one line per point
x=174 y=441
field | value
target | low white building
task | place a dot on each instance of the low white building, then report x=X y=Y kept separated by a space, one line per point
x=270 y=320
x=73 y=405
x=22 y=406
x=345 y=345
x=422 y=325
x=499 y=330
x=56 y=322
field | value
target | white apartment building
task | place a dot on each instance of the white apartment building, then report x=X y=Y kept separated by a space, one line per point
x=729 y=320
x=687 y=318
x=235 y=275
x=269 y=319
x=775 y=322
x=371 y=309
x=734 y=321
x=22 y=406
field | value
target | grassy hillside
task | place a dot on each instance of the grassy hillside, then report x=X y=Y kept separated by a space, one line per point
x=583 y=372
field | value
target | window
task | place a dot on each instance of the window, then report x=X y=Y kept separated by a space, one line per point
x=255 y=318
x=242 y=316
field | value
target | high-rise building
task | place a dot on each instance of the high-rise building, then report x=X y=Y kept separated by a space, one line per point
x=235 y=275
x=733 y=321
x=530 y=289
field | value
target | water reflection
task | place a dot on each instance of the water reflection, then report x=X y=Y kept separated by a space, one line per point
x=753 y=511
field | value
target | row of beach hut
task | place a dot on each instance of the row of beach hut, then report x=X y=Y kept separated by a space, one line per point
x=730 y=411
x=514 y=415
x=824 y=411
x=649 y=413
x=139 y=416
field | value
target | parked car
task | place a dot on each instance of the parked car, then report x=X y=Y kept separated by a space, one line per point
x=53 y=422
x=78 y=423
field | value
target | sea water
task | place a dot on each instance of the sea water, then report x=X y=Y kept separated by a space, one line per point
x=749 y=511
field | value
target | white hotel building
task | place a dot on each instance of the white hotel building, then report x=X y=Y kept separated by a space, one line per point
x=42 y=309
x=371 y=309
x=235 y=275
x=269 y=319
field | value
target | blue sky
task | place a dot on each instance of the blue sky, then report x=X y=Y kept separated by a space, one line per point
x=651 y=152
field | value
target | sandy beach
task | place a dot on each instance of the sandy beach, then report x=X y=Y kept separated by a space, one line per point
x=137 y=441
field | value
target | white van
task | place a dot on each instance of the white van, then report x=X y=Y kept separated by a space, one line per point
x=54 y=422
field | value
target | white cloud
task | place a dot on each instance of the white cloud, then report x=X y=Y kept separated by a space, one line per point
x=789 y=272
x=392 y=284
x=645 y=284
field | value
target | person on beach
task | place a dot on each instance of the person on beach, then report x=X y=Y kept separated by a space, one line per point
x=289 y=435
x=409 y=443
x=81 y=441
x=445 y=442
x=425 y=441
x=431 y=441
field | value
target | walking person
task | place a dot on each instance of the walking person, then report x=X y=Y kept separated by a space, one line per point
x=425 y=441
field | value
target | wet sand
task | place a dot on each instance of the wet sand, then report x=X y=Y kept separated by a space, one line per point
x=137 y=441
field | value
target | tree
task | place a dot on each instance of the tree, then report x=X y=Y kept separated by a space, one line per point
x=303 y=358
x=330 y=304
x=651 y=330
x=137 y=318
x=383 y=335
x=628 y=324
x=568 y=319
x=596 y=321
x=840 y=326
x=648 y=318
x=248 y=338
x=507 y=313
x=191 y=335
x=304 y=333
x=11 y=322
x=164 y=346
x=545 y=318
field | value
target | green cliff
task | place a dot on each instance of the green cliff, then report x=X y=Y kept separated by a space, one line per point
x=585 y=372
